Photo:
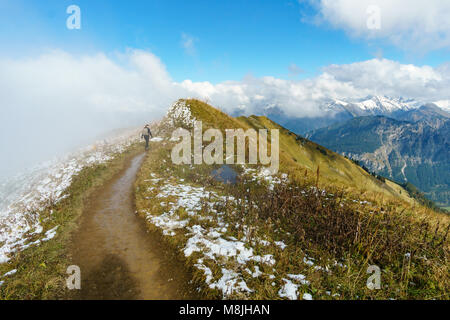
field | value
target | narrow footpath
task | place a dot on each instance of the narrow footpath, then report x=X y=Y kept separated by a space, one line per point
x=118 y=257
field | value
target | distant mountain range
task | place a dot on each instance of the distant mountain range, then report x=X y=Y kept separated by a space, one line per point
x=402 y=139
x=398 y=140
x=334 y=111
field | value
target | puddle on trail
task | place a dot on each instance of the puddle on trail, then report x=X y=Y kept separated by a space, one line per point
x=225 y=174
x=118 y=257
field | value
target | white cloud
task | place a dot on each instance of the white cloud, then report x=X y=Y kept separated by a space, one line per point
x=188 y=43
x=303 y=98
x=410 y=24
x=55 y=101
x=391 y=78
x=294 y=70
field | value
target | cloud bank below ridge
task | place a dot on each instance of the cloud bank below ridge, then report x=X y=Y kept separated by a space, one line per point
x=56 y=101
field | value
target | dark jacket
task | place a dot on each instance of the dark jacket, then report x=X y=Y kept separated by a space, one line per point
x=146 y=132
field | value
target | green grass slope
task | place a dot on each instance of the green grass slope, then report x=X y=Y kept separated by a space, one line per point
x=316 y=231
x=302 y=158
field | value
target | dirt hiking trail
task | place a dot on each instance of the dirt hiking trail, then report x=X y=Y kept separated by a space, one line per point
x=118 y=257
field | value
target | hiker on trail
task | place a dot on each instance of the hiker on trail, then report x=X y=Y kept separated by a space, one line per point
x=146 y=134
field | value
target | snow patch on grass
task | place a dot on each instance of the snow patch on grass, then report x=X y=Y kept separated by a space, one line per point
x=180 y=114
x=210 y=241
x=229 y=260
x=229 y=283
x=9 y=273
x=290 y=290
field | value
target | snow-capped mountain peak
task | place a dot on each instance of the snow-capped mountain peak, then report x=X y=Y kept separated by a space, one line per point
x=376 y=105
x=443 y=104
x=384 y=104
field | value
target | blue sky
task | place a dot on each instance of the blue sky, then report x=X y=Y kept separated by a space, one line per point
x=231 y=39
x=132 y=59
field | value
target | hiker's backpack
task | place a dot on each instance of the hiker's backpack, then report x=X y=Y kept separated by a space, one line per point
x=146 y=132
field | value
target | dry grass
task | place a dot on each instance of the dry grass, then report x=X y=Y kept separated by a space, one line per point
x=358 y=221
x=409 y=244
x=412 y=252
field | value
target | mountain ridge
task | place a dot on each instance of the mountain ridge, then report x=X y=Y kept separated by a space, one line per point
x=331 y=111
x=298 y=156
x=264 y=233
x=415 y=151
